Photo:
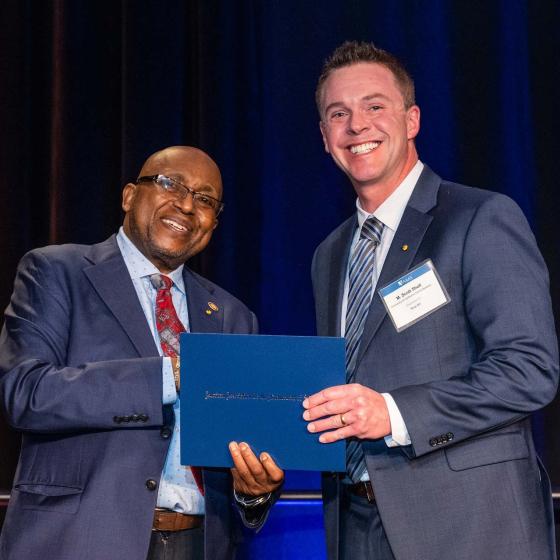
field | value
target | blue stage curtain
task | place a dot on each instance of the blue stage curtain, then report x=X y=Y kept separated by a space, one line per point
x=90 y=88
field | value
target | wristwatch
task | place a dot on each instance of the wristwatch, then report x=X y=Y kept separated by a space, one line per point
x=250 y=501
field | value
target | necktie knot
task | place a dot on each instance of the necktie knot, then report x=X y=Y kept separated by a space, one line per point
x=161 y=282
x=372 y=230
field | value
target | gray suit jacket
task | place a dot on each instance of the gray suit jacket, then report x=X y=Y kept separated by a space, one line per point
x=465 y=378
x=80 y=376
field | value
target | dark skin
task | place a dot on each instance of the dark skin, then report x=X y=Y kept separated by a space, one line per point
x=168 y=231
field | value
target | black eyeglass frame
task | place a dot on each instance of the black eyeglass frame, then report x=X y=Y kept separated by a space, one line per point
x=197 y=196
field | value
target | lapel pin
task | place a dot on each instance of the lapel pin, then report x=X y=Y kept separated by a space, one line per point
x=208 y=312
x=404 y=247
x=213 y=306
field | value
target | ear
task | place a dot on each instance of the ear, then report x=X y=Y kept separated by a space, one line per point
x=215 y=224
x=323 y=129
x=128 y=194
x=413 y=122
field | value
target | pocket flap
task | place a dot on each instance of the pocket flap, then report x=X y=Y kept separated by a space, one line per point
x=48 y=489
x=487 y=450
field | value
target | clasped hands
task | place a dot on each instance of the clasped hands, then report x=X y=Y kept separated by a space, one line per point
x=345 y=411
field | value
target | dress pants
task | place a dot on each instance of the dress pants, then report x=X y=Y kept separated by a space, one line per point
x=362 y=536
x=177 y=545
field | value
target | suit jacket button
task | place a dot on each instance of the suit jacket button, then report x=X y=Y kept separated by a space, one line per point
x=135 y=418
x=165 y=432
x=117 y=419
x=433 y=442
x=143 y=417
x=125 y=418
x=151 y=484
x=450 y=436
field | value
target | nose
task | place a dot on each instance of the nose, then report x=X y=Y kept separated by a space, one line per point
x=357 y=123
x=184 y=202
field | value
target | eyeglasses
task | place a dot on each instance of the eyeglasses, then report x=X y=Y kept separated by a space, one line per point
x=179 y=191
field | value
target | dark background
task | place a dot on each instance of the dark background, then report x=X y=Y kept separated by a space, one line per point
x=88 y=89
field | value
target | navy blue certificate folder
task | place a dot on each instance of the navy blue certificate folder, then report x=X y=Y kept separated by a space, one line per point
x=250 y=388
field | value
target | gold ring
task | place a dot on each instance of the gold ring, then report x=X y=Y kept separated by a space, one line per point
x=342 y=421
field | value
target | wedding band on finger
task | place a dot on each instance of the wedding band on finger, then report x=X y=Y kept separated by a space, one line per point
x=342 y=421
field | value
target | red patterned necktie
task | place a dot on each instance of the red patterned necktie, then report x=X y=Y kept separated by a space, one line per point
x=169 y=328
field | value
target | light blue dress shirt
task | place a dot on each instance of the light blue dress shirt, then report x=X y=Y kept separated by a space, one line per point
x=177 y=489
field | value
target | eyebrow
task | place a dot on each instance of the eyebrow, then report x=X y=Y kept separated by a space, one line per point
x=365 y=98
x=206 y=187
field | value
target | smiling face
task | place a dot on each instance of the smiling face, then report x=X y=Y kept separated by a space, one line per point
x=367 y=130
x=166 y=229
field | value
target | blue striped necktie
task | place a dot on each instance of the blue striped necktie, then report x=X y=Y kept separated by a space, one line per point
x=360 y=271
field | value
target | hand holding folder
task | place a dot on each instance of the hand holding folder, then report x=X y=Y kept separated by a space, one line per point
x=251 y=388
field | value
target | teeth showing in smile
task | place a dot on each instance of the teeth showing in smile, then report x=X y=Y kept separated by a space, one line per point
x=364 y=148
x=174 y=225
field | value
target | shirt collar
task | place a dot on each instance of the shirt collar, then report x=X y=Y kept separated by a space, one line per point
x=140 y=267
x=390 y=212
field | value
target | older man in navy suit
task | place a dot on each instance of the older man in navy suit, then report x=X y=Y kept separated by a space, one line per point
x=89 y=373
x=443 y=298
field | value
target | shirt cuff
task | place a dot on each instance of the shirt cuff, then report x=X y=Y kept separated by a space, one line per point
x=399 y=433
x=169 y=394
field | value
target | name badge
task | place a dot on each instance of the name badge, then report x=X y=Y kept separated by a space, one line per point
x=414 y=295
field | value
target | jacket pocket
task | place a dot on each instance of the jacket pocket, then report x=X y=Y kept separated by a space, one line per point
x=48 y=497
x=487 y=450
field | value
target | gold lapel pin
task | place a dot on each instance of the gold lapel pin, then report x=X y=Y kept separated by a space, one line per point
x=213 y=306
x=208 y=312
x=404 y=247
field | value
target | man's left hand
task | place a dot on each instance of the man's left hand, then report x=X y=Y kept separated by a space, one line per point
x=254 y=476
x=347 y=411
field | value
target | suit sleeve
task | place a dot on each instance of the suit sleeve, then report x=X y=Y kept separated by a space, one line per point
x=40 y=391
x=506 y=300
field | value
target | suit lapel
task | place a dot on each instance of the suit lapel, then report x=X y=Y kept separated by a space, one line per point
x=111 y=280
x=206 y=312
x=411 y=231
